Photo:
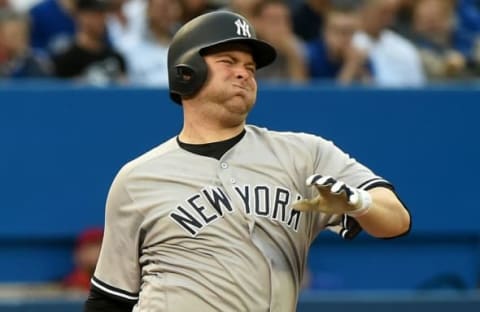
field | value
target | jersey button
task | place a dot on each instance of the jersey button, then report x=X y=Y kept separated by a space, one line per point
x=232 y=180
x=224 y=165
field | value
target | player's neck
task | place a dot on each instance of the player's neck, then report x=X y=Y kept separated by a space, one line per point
x=192 y=134
x=204 y=122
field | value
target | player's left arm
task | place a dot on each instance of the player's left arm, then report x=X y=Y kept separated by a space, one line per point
x=386 y=216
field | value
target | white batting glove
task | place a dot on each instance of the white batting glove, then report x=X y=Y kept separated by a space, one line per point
x=335 y=197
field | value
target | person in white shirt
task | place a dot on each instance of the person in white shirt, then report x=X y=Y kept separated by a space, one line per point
x=126 y=23
x=393 y=60
x=19 y=5
x=147 y=55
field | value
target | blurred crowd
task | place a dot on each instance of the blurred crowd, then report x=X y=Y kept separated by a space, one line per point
x=397 y=43
x=85 y=255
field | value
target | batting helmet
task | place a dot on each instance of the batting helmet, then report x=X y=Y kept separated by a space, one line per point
x=187 y=70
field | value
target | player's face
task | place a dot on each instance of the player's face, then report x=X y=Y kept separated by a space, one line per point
x=231 y=87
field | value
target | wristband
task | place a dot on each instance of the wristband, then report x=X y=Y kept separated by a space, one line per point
x=363 y=204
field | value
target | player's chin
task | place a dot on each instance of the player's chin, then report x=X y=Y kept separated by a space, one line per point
x=241 y=105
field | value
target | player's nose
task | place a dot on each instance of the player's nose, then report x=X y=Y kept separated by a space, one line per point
x=241 y=72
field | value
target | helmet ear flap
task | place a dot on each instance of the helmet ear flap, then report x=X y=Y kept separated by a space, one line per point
x=188 y=76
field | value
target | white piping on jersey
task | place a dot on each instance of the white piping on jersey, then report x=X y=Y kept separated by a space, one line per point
x=113 y=292
x=373 y=181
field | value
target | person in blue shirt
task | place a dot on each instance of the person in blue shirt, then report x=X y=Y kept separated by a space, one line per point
x=468 y=16
x=308 y=18
x=17 y=59
x=91 y=58
x=327 y=54
x=52 y=25
x=447 y=51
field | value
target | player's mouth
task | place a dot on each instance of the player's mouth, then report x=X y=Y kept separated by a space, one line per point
x=241 y=87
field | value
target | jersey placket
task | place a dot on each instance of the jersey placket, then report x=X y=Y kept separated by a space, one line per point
x=228 y=181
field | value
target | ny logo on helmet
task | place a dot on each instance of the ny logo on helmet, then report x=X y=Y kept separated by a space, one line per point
x=243 y=29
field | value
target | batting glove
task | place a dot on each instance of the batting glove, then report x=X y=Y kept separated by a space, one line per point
x=335 y=197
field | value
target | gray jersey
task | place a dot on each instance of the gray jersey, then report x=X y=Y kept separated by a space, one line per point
x=185 y=231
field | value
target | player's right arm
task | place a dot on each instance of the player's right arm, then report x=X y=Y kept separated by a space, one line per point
x=99 y=302
x=116 y=281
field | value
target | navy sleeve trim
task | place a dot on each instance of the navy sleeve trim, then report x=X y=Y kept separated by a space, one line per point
x=98 y=301
x=113 y=291
x=375 y=182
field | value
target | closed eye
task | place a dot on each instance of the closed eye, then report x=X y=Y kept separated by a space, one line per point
x=225 y=60
x=251 y=67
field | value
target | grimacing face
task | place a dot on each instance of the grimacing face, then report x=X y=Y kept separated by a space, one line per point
x=230 y=87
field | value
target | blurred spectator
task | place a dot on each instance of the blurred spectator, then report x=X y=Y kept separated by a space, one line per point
x=394 y=60
x=21 y=5
x=402 y=23
x=327 y=54
x=147 y=58
x=308 y=18
x=87 y=250
x=468 y=23
x=445 y=51
x=3 y=48
x=18 y=5
x=194 y=8
x=17 y=60
x=243 y=7
x=52 y=25
x=468 y=15
x=126 y=23
x=90 y=58
x=273 y=24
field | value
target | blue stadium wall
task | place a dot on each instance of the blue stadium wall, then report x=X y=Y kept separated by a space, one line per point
x=61 y=146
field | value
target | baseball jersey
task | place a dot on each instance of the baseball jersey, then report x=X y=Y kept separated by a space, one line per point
x=185 y=231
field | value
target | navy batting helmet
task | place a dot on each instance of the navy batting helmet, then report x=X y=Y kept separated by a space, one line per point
x=187 y=70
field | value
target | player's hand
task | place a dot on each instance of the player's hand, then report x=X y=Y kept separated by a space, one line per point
x=334 y=197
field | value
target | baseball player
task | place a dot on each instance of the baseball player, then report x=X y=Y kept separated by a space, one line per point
x=221 y=217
